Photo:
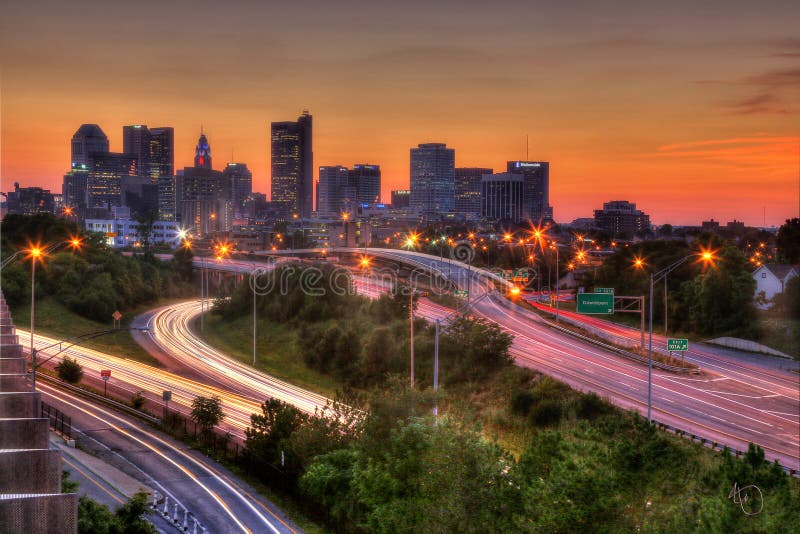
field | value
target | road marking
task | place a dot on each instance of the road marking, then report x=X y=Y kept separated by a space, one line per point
x=90 y=478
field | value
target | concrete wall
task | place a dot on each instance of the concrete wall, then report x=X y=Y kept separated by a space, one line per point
x=39 y=514
x=24 y=433
x=30 y=471
x=20 y=404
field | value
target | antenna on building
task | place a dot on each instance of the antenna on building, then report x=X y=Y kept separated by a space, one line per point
x=201 y=129
x=526 y=148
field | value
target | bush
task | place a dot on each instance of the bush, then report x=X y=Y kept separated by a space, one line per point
x=69 y=370
x=521 y=402
x=591 y=405
x=138 y=400
x=546 y=412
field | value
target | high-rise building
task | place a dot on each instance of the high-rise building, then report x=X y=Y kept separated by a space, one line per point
x=201 y=198
x=88 y=139
x=162 y=152
x=433 y=178
x=153 y=147
x=401 y=198
x=537 y=188
x=293 y=166
x=620 y=217
x=166 y=198
x=331 y=190
x=502 y=197
x=106 y=173
x=365 y=180
x=75 y=192
x=238 y=184
x=467 y=190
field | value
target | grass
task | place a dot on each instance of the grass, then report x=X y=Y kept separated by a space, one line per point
x=277 y=352
x=53 y=319
x=780 y=333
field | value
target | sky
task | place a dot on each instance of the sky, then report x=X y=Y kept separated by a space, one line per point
x=691 y=110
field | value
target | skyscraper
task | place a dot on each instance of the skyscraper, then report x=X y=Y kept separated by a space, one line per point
x=162 y=152
x=331 y=190
x=201 y=198
x=293 y=166
x=502 y=197
x=433 y=178
x=155 y=151
x=106 y=173
x=88 y=139
x=400 y=198
x=136 y=142
x=537 y=188
x=365 y=180
x=238 y=184
x=467 y=190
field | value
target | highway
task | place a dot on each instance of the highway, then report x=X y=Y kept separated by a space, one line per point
x=730 y=402
x=190 y=480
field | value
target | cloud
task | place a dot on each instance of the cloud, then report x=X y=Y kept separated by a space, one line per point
x=775 y=78
x=765 y=154
x=766 y=103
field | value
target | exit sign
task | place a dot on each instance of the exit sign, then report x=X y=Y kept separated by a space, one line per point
x=677 y=344
x=605 y=290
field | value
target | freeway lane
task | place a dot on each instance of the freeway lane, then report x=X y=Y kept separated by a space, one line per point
x=191 y=480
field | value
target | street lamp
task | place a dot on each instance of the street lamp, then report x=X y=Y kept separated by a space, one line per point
x=705 y=256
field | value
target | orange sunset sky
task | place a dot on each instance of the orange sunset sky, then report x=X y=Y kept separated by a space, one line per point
x=691 y=111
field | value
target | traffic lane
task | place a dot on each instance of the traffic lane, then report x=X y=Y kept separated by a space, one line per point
x=193 y=481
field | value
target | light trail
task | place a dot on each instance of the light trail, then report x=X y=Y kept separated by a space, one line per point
x=158 y=447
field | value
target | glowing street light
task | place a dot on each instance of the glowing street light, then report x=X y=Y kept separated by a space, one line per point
x=365 y=262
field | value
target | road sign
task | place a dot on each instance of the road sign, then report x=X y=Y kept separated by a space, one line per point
x=166 y=396
x=677 y=344
x=461 y=293
x=609 y=290
x=116 y=315
x=596 y=303
x=105 y=374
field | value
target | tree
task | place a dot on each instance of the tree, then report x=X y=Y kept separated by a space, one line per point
x=96 y=518
x=789 y=300
x=183 y=262
x=788 y=242
x=69 y=370
x=207 y=412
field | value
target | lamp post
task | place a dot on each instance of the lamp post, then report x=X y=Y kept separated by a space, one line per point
x=411 y=317
x=36 y=252
x=706 y=256
x=255 y=278
x=436 y=372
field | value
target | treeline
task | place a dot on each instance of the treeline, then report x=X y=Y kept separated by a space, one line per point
x=92 y=280
x=705 y=298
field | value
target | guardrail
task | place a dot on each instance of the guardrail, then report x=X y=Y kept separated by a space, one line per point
x=101 y=399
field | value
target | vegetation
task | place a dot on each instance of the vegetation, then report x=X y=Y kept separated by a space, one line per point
x=708 y=300
x=95 y=518
x=788 y=242
x=207 y=412
x=91 y=279
x=69 y=370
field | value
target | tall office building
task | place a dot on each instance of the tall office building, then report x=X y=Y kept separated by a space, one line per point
x=162 y=152
x=502 y=197
x=467 y=190
x=537 y=188
x=30 y=200
x=293 y=166
x=201 y=197
x=331 y=190
x=153 y=147
x=238 y=184
x=75 y=191
x=433 y=178
x=365 y=181
x=88 y=139
x=106 y=174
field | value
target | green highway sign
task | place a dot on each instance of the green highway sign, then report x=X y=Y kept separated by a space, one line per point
x=604 y=290
x=596 y=303
x=461 y=293
x=677 y=344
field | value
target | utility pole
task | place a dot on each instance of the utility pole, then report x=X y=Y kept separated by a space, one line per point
x=411 y=317
x=436 y=373
x=254 y=314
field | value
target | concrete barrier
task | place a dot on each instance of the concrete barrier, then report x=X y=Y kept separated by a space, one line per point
x=747 y=345
x=20 y=404
x=24 y=433
x=30 y=471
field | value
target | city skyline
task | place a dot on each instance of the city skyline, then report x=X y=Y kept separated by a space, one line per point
x=690 y=113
